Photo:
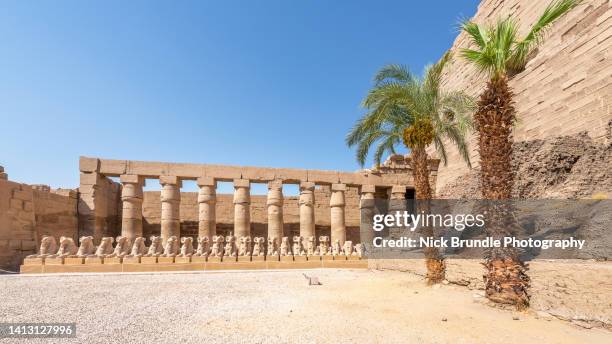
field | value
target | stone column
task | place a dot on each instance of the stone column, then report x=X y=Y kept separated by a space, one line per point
x=275 y=209
x=131 y=197
x=397 y=203
x=367 y=211
x=307 y=217
x=207 y=200
x=242 y=204
x=170 y=202
x=336 y=203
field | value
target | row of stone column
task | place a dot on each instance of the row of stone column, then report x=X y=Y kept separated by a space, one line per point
x=132 y=197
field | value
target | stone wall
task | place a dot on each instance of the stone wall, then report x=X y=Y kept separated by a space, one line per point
x=27 y=213
x=566 y=86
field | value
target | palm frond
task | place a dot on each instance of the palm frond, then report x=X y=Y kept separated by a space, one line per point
x=535 y=36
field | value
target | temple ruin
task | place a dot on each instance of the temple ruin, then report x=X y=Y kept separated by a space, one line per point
x=320 y=225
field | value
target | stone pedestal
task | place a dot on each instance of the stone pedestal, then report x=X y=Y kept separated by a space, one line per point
x=337 y=204
x=207 y=200
x=307 y=217
x=242 y=204
x=275 y=210
x=170 y=201
x=131 y=197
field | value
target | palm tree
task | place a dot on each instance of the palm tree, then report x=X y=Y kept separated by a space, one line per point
x=404 y=108
x=499 y=53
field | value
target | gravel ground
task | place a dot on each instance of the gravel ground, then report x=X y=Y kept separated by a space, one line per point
x=271 y=307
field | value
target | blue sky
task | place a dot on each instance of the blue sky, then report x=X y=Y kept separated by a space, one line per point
x=263 y=83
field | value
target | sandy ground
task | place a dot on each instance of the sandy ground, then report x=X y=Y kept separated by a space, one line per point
x=271 y=307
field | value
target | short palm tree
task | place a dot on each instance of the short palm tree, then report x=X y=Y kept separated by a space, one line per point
x=499 y=52
x=404 y=108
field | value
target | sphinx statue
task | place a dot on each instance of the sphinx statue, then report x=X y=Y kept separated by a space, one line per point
x=285 y=248
x=347 y=249
x=336 y=249
x=245 y=246
x=298 y=248
x=86 y=248
x=138 y=248
x=311 y=246
x=258 y=246
x=67 y=248
x=156 y=249
x=186 y=247
x=217 y=247
x=48 y=247
x=272 y=249
x=171 y=249
x=122 y=247
x=324 y=246
x=203 y=247
x=230 y=246
x=105 y=249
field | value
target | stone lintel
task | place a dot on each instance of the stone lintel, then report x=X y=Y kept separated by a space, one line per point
x=131 y=178
x=338 y=187
x=368 y=188
x=89 y=164
x=172 y=180
x=206 y=181
x=242 y=183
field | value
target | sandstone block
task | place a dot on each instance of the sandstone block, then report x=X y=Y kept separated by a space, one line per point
x=173 y=180
x=147 y=169
x=338 y=187
x=223 y=173
x=130 y=178
x=113 y=167
x=323 y=177
x=89 y=164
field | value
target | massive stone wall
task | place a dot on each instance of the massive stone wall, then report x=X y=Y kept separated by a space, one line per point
x=27 y=212
x=566 y=87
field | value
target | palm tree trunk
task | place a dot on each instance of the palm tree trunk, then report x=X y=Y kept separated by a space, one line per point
x=420 y=171
x=506 y=280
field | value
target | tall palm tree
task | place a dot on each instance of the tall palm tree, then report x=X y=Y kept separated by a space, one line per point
x=404 y=108
x=499 y=53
